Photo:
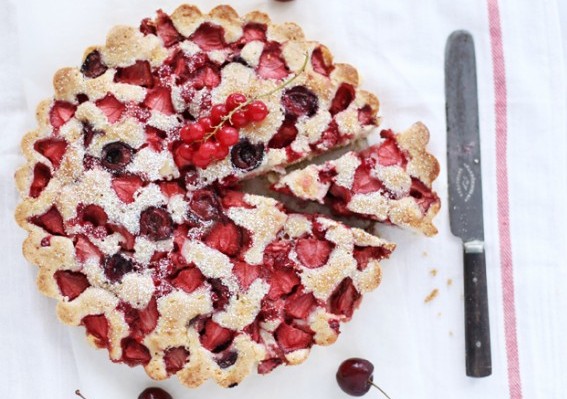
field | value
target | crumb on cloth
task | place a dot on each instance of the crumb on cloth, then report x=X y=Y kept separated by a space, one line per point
x=432 y=295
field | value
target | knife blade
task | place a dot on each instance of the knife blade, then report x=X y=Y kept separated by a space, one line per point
x=465 y=194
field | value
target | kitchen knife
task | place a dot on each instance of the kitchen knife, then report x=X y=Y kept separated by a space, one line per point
x=465 y=194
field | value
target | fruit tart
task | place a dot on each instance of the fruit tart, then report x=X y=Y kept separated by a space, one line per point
x=387 y=182
x=130 y=204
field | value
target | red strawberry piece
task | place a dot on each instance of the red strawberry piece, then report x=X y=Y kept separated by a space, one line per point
x=166 y=31
x=216 y=338
x=159 y=99
x=60 y=113
x=220 y=294
x=51 y=221
x=423 y=195
x=175 y=359
x=126 y=186
x=225 y=237
x=254 y=31
x=116 y=266
x=84 y=249
x=183 y=154
x=209 y=37
x=272 y=309
x=88 y=134
x=234 y=198
x=282 y=282
x=171 y=188
x=205 y=205
x=388 y=153
x=366 y=116
x=41 y=178
x=51 y=148
x=127 y=243
x=207 y=76
x=364 y=182
x=188 y=279
x=330 y=137
x=155 y=138
x=141 y=322
x=139 y=74
x=226 y=359
x=71 y=284
x=300 y=305
x=313 y=253
x=318 y=63
x=156 y=224
x=97 y=327
x=266 y=366
x=245 y=273
x=285 y=135
x=364 y=254
x=92 y=214
x=291 y=338
x=148 y=27
x=344 y=299
x=134 y=353
x=253 y=330
x=111 y=107
x=343 y=97
x=299 y=100
x=93 y=66
x=277 y=254
x=272 y=65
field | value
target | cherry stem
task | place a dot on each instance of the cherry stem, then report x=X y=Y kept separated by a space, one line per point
x=78 y=393
x=228 y=117
x=378 y=388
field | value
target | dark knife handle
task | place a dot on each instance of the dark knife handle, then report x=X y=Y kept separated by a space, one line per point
x=477 y=325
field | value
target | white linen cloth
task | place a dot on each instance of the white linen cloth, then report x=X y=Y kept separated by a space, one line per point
x=416 y=347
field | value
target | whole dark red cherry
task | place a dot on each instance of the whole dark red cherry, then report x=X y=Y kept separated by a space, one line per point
x=355 y=376
x=154 y=393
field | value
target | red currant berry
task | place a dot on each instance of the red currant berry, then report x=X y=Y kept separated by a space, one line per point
x=257 y=111
x=206 y=123
x=239 y=119
x=192 y=132
x=218 y=112
x=234 y=100
x=221 y=151
x=207 y=150
x=227 y=136
x=201 y=161
x=183 y=155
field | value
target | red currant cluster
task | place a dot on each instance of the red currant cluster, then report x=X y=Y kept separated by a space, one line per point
x=209 y=138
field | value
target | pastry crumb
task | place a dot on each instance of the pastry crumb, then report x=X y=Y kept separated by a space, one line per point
x=432 y=295
x=433 y=272
x=450 y=333
x=449 y=282
x=424 y=254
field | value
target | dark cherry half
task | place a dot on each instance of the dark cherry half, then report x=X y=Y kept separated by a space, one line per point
x=115 y=156
x=156 y=224
x=93 y=66
x=247 y=156
x=299 y=101
x=116 y=266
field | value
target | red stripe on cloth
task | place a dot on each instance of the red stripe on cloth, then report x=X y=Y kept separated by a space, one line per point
x=507 y=270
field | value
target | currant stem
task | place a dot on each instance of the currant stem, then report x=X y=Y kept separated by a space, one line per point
x=78 y=393
x=378 y=388
x=228 y=117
